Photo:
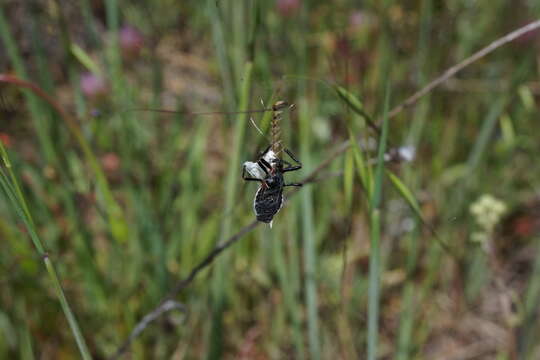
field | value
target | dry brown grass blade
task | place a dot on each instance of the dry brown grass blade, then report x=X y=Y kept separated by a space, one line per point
x=411 y=100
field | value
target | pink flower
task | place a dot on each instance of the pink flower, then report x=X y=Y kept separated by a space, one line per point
x=288 y=7
x=131 y=41
x=5 y=139
x=111 y=162
x=93 y=86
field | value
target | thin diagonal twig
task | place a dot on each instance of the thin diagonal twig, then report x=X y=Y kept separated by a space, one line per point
x=209 y=259
x=182 y=284
x=463 y=64
x=166 y=306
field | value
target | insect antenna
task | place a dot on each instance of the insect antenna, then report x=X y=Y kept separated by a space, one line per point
x=275 y=125
x=259 y=130
x=168 y=111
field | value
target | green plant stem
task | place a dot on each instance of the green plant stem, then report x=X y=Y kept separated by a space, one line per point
x=16 y=59
x=309 y=246
x=220 y=279
x=73 y=324
x=15 y=195
x=374 y=258
x=374 y=285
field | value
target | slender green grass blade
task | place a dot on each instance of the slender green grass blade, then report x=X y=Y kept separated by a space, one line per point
x=288 y=288
x=379 y=174
x=84 y=59
x=364 y=170
x=374 y=257
x=12 y=190
x=220 y=281
x=35 y=109
x=374 y=285
x=352 y=102
x=348 y=178
x=308 y=241
x=405 y=192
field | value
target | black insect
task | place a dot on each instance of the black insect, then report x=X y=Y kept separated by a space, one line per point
x=269 y=170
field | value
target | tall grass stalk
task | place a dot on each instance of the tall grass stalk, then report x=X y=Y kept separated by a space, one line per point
x=14 y=55
x=26 y=351
x=309 y=245
x=405 y=338
x=231 y=185
x=375 y=232
x=12 y=191
x=218 y=35
x=408 y=308
x=289 y=289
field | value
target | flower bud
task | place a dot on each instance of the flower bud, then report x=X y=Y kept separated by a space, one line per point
x=288 y=7
x=93 y=86
x=131 y=41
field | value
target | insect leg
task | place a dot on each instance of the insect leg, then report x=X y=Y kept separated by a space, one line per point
x=265 y=151
x=290 y=167
x=263 y=164
x=292 y=156
x=286 y=163
x=251 y=179
x=293 y=184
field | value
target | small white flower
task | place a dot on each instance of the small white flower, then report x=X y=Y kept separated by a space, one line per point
x=407 y=153
x=487 y=211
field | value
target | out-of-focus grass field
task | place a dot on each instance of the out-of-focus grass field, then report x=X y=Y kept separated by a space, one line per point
x=119 y=205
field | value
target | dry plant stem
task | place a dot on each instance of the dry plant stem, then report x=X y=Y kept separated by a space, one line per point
x=208 y=260
x=182 y=284
x=26 y=84
x=460 y=66
x=167 y=306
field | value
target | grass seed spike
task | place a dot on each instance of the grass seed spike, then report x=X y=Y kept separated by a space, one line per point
x=269 y=170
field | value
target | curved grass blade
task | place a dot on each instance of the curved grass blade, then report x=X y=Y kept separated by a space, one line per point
x=405 y=192
x=9 y=185
x=117 y=222
x=356 y=105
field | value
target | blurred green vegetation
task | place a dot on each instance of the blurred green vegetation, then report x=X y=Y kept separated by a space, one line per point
x=125 y=203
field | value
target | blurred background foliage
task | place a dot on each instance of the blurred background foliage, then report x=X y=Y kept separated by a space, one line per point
x=129 y=206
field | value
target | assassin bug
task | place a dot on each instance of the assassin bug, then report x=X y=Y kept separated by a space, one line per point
x=269 y=197
x=269 y=170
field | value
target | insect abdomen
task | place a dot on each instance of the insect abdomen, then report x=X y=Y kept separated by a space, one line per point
x=267 y=203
